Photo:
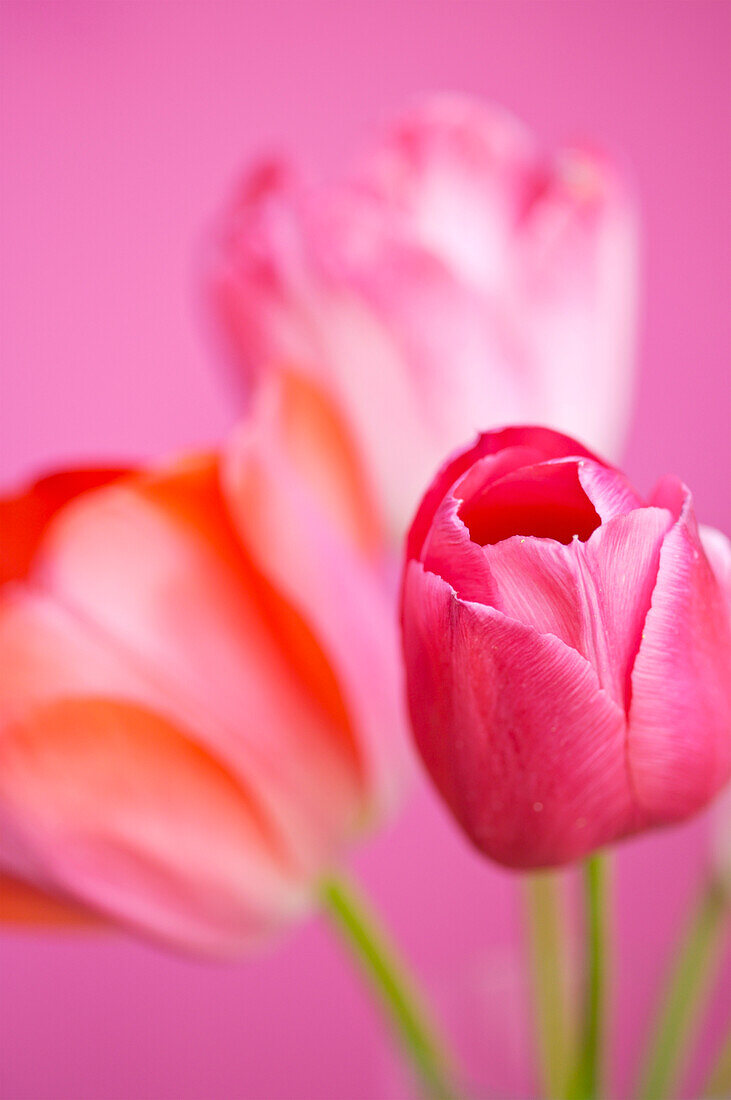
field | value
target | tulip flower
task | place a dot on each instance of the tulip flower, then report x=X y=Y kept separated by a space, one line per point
x=457 y=277
x=199 y=699
x=568 y=649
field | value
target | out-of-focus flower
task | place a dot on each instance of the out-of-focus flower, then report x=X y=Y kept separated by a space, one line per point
x=457 y=278
x=199 y=695
x=568 y=649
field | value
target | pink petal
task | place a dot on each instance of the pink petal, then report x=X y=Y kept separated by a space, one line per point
x=511 y=449
x=258 y=262
x=577 y=271
x=510 y=493
x=285 y=304
x=459 y=174
x=594 y=595
x=520 y=739
x=548 y=243
x=608 y=490
x=448 y=549
x=680 y=735
x=718 y=551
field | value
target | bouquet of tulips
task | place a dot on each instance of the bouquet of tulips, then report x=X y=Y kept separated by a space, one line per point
x=214 y=667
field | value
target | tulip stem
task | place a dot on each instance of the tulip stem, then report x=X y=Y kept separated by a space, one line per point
x=719 y=1082
x=684 y=995
x=396 y=990
x=549 y=970
x=589 y=1071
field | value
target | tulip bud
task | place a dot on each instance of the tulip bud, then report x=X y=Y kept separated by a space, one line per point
x=199 y=695
x=568 y=649
x=460 y=275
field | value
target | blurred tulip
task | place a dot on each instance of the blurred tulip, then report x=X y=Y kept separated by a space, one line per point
x=568 y=649
x=457 y=278
x=199 y=698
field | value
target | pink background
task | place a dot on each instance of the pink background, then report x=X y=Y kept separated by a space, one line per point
x=123 y=128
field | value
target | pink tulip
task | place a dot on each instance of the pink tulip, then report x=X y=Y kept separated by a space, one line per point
x=200 y=684
x=568 y=649
x=458 y=277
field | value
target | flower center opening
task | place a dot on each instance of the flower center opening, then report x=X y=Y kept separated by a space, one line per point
x=546 y=501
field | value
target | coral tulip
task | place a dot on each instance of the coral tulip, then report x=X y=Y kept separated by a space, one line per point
x=458 y=277
x=199 y=696
x=568 y=649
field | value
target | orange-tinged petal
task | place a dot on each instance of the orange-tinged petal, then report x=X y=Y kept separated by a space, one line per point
x=122 y=809
x=24 y=516
x=344 y=598
x=193 y=497
x=324 y=453
x=186 y=737
x=152 y=575
x=23 y=904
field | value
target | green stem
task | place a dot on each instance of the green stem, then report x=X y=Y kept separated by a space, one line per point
x=379 y=960
x=549 y=970
x=684 y=996
x=719 y=1082
x=590 y=1064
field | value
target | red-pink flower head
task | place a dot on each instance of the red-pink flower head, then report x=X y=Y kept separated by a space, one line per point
x=568 y=649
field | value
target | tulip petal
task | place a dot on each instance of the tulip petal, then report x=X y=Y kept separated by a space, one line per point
x=545 y=501
x=459 y=174
x=49 y=655
x=515 y=492
x=594 y=596
x=608 y=490
x=509 y=448
x=151 y=571
x=459 y=277
x=448 y=549
x=524 y=745
x=26 y=905
x=548 y=244
x=577 y=277
x=262 y=278
x=338 y=592
x=322 y=452
x=286 y=305
x=123 y=810
x=718 y=551
x=679 y=735
x=24 y=517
